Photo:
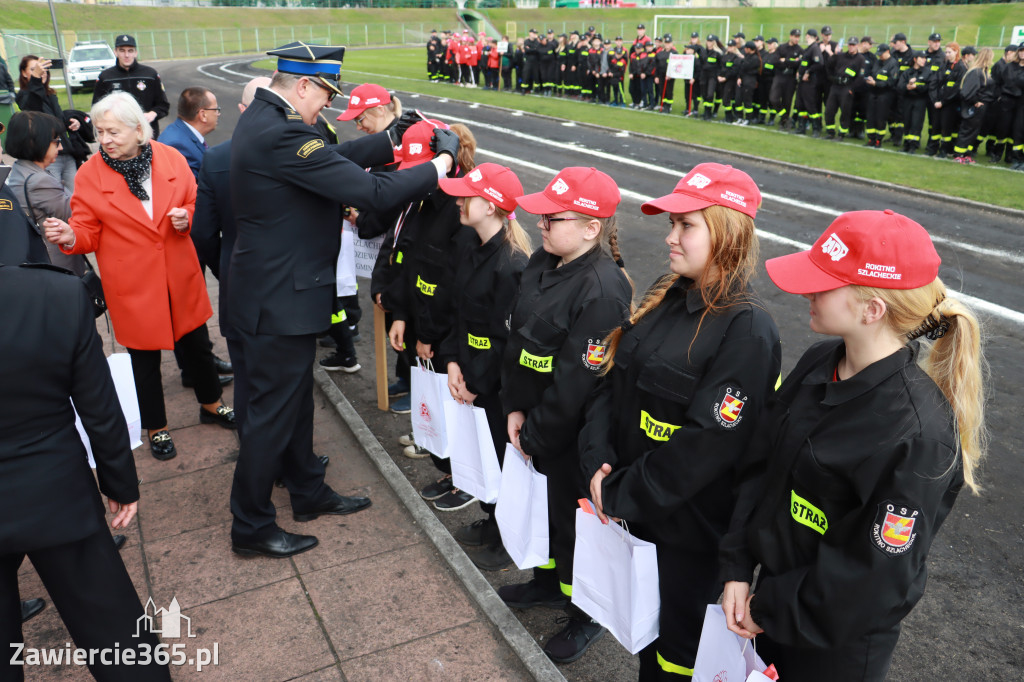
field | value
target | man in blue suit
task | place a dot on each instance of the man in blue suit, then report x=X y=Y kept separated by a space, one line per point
x=198 y=115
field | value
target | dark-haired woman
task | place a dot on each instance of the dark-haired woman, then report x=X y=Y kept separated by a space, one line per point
x=688 y=377
x=35 y=94
x=33 y=139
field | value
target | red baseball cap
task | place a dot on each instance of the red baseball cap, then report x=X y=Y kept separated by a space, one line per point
x=495 y=183
x=366 y=96
x=869 y=248
x=584 y=190
x=415 y=147
x=709 y=184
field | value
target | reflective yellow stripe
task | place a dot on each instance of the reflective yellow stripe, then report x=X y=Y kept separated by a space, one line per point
x=673 y=668
x=535 y=362
x=807 y=514
x=481 y=342
x=426 y=287
x=549 y=564
x=778 y=382
x=655 y=429
x=398 y=258
x=881 y=77
x=338 y=317
x=950 y=84
x=566 y=589
x=851 y=72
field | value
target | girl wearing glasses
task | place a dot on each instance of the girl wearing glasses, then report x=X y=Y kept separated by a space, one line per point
x=859 y=461
x=574 y=291
x=688 y=376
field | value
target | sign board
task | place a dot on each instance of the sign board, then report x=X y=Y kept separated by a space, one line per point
x=1017 y=37
x=680 y=66
x=366 y=255
x=502 y=46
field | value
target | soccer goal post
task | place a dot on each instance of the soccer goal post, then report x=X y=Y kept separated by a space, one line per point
x=682 y=25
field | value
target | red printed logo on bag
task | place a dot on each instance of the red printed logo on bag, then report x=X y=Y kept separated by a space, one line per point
x=424 y=412
x=721 y=677
x=893 y=529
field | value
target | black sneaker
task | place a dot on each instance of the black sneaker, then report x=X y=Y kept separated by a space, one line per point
x=528 y=595
x=572 y=642
x=438 y=488
x=336 y=363
x=479 y=533
x=453 y=500
x=493 y=557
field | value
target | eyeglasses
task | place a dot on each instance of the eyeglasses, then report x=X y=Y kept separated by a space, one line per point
x=547 y=220
x=359 y=119
x=217 y=109
x=331 y=94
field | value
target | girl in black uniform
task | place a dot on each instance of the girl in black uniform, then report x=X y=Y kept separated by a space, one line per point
x=688 y=377
x=486 y=282
x=860 y=459
x=573 y=293
x=710 y=71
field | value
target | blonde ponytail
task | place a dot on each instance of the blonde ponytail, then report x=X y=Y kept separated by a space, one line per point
x=515 y=236
x=954 y=360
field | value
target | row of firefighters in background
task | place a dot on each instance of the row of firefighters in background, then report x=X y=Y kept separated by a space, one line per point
x=808 y=83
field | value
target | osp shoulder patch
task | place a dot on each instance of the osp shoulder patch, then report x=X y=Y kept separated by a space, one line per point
x=310 y=147
x=728 y=408
x=6 y=205
x=892 y=532
x=594 y=355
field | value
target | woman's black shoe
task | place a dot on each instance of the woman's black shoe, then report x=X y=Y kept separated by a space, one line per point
x=223 y=366
x=224 y=416
x=161 y=445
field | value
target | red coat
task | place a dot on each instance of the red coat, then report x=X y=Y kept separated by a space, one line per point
x=154 y=288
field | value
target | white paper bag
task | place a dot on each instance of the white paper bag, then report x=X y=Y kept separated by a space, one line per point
x=124 y=383
x=615 y=580
x=475 y=467
x=723 y=653
x=427 y=410
x=522 y=511
x=345 y=277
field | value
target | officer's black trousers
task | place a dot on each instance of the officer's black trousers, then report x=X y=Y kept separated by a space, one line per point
x=634 y=90
x=934 y=127
x=729 y=100
x=807 y=99
x=878 y=113
x=711 y=91
x=949 y=123
x=967 y=138
x=197 y=357
x=531 y=74
x=896 y=123
x=1002 y=127
x=506 y=78
x=913 y=120
x=548 y=73
x=745 y=102
x=688 y=583
x=277 y=441
x=839 y=98
x=781 y=97
x=668 y=91
x=90 y=587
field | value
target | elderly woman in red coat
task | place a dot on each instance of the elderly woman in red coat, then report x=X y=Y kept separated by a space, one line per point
x=133 y=205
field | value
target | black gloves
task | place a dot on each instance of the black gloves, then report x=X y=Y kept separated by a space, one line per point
x=445 y=142
x=398 y=127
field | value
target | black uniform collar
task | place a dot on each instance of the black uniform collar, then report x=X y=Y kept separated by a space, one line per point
x=683 y=286
x=838 y=392
x=270 y=97
x=553 y=274
x=134 y=67
x=484 y=251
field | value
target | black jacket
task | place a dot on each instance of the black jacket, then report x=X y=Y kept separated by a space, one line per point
x=286 y=188
x=749 y=70
x=978 y=87
x=141 y=82
x=21 y=241
x=845 y=488
x=921 y=84
x=34 y=97
x=712 y=66
x=847 y=70
x=485 y=288
x=789 y=59
x=886 y=75
x=51 y=354
x=676 y=414
x=948 y=84
x=812 y=64
x=561 y=316
x=213 y=226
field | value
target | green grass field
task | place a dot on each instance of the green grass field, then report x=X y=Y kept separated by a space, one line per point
x=403 y=69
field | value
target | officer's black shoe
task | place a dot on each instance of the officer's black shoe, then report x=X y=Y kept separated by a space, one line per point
x=336 y=505
x=224 y=416
x=30 y=608
x=223 y=366
x=572 y=642
x=533 y=593
x=279 y=545
x=831 y=136
x=119 y=541
x=941 y=155
x=224 y=379
x=493 y=557
x=161 y=445
x=479 y=533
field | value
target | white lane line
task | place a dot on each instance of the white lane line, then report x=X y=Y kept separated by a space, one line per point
x=979 y=304
x=202 y=70
x=1006 y=256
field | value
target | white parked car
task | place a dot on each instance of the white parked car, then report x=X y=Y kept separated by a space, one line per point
x=85 y=62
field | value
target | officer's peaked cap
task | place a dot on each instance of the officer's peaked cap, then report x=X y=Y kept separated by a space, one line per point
x=315 y=61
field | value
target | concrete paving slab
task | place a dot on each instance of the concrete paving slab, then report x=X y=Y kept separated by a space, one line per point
x=183 y=503
x=199 y=447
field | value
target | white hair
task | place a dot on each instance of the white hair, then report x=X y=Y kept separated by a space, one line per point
x=125 y=109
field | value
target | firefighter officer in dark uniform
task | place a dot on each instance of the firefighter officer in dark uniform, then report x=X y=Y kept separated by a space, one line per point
x=905 y=59
x=666 y=86
x=881 y=83
x=138 y=80
x=784 y=83
x=287 y=186
x=694 y=86
x=808 y=75
x=935 y=63
x=847 y=69
x=766 y=50
x=860 y=93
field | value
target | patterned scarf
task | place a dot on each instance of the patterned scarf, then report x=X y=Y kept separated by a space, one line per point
x=134 y=170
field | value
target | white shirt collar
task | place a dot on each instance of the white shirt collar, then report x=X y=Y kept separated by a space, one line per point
x=279 y=96
x=194 y=131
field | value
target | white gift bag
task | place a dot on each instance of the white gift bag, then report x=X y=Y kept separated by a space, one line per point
x=723 y=653
x=522 y=511
x=427 y=408
x=345 y=277
x=615 y=580
x=475 y=467
x=124 y=383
